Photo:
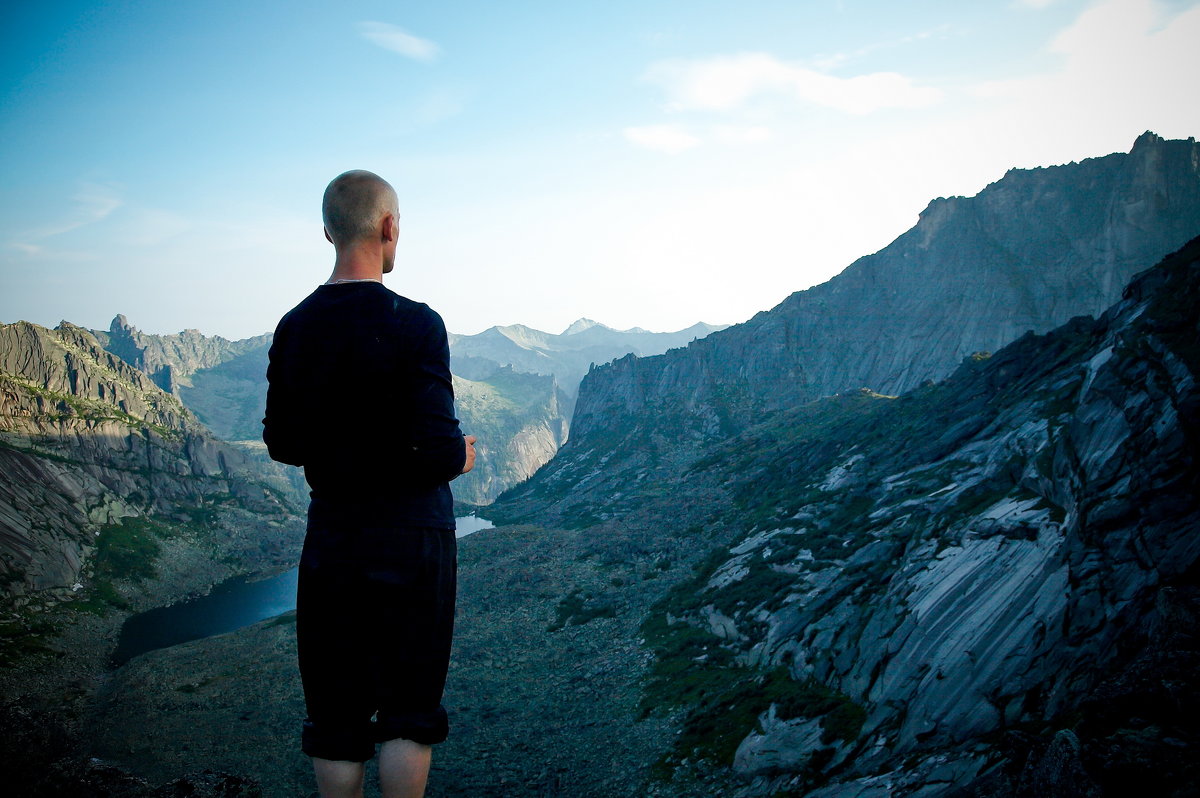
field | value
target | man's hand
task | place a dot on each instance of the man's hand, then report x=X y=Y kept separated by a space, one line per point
x=469 y=442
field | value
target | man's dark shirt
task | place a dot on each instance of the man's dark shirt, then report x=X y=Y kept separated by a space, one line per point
x=360 y=394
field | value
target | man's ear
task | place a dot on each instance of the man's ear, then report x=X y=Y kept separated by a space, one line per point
x=391 y=227
x=327 y=238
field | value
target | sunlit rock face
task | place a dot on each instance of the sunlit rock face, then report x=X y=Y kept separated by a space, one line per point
x=520 y=421
x=1029 y=252
x=87 y=440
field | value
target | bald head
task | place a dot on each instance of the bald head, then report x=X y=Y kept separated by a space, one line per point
x=354 y=204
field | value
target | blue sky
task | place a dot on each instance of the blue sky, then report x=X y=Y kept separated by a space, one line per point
x=638 y=163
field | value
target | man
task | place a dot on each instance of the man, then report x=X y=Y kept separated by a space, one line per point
x=360 y=394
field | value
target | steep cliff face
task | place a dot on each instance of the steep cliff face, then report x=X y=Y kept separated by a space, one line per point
x=87 y=440
x=1028 y=253
x=521 y=420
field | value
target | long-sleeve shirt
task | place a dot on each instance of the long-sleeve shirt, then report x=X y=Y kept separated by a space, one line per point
x=360 y=394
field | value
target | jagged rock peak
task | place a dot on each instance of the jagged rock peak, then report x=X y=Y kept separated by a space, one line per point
x=1148 y=139
x=120 y=324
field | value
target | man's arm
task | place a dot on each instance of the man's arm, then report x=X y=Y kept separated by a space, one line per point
x=438 y=449
x=281 y=426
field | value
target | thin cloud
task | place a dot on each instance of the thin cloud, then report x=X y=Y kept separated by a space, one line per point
x=724 y=83
x=828 y=63
x=398 y=40
x=661 y=138
x=93 y=203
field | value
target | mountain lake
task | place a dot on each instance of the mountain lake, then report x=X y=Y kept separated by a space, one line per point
x=234 y=603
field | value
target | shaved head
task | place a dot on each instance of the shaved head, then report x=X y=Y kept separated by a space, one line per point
x=353 y=205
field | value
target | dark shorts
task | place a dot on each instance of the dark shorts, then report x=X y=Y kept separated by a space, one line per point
x=374 y=621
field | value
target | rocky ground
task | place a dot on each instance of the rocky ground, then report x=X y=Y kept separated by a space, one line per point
x=555 y=715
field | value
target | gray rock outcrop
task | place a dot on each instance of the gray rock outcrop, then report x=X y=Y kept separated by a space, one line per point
x=1002 y=550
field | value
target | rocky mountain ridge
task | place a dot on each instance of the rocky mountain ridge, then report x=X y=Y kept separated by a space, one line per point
x=1029 y=252
x=515 y=385
x=170 y=360
x=520 y=419
x=90 y=445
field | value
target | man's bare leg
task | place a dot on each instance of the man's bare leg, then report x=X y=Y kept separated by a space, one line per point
x=338 y=779
x=403 y=768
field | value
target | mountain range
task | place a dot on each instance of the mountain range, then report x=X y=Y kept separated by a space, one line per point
x=567 y=356
x=929 y=529
x=1031 y=251
x=99 y=463
x=515 y=386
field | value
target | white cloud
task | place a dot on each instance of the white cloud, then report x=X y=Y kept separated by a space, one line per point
x=726 y=82
x=662 y=138
x=741 y=134
x=1126 y=67
x=398 y=40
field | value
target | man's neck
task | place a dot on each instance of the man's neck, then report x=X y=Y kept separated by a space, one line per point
x=359 y=263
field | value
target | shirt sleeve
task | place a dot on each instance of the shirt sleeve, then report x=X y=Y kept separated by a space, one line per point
x=281 y=427
x=437 y=448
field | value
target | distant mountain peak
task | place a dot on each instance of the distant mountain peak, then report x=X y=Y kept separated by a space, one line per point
x=579 y=325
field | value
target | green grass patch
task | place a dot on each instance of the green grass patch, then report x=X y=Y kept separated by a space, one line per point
x=125 y=552
x=763 y=585
x=24 y=638
x=723 y=703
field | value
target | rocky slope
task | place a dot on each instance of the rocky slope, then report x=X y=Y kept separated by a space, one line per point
x=984 y=587
x=222 y=382
x=1032 y=250
x=96 y=456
